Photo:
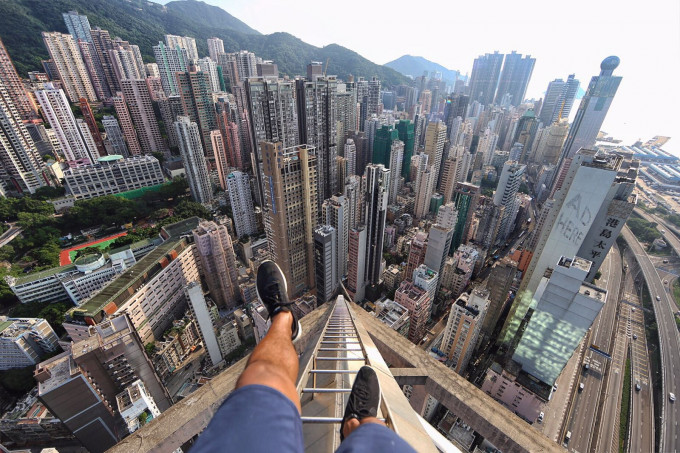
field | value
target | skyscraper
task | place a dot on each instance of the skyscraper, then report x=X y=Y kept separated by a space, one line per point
x=593 y=108
x=382 y=145
x=170 y=60
x=346 y=110
x=201 y=312
x=335 y=212
x=356 y=263
x=515 y=78
x=565 y=311
x=23 y=102
x=317 y=127
x=558 y=100
x=215 y=47
x=290 y=213
x=126 y=125
x=417 y=301
x=417 y=251
x=463 y=327
x=273 y=117
x=425 y=185
x=88 y=116
x=74 y=143
x=216 y=252
x=186 y=43
x=505 y=195
x=396 y=159
x=351 y=156
x=138 y=99
x=377 y=191
x=69 y=64
x=406 y=132
x=195 y=166
x=238 y=184
x=198 y=105
x=486 y=71
x=435 y=136
x=78 y=26
x=114 y=136
x=325 y=262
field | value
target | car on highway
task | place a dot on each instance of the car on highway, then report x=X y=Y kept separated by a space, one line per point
x=658 y=297
x=637 y=387
x=540 y=417
x=634 y=336
x=671 y=396
x=586 y=367
x=581 y=386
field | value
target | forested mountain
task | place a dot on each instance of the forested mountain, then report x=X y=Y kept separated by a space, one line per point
x=144 y=23
x=414 y=66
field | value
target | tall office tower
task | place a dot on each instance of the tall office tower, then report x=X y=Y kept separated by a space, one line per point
x=356 y=264
x=500 y=281
x=290 y=213
x=94 y=69
x=201 y=313
x=198 y=105
x=170 y=60
x=489 y=224
x=424 y=190
x=364 y=153
x=351 y=156
x=465 y=196
x=238 y=185
x=22 y=168
x=487 y=145
x=138 y=99
x=114 y=136
x=396 y=159
x=590 y=185
x=220 y=157
x=195 y=166
x=78 y=26
x=58 y=113
x=335 y=212
x=184 y=42
x=438 y=247
x=16 y=91
x=354 y=194
x=325 y=263
x=515 y=78
x=565 y=311
x=417 y=251
x=346 y=110
x=506 y=196
x=486 y=71
x=463 y=328
x=406 y=131
x=435 y=136
x=525 y=133
x=558 y=100
x=216 y=252
x=209 y=68
x=318 y=128
x=215 y=47
x=417 y=302
x=91 y=122
x=273 y=118
x=126 y=125
x=374 y=103
x=425 y=100
x=548 y=143
x=382 y=145
x=69 y=64
x=593 y=109
x=377 y=191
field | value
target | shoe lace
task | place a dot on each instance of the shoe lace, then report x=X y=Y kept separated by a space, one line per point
x=274 y=293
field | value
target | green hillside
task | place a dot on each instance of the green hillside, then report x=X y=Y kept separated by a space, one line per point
x=144 y=23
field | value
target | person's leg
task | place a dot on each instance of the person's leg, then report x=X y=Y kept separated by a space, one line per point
x=274 y=362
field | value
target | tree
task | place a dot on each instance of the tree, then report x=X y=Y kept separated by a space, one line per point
x=7 y=253
x=18 y=380
x=150 y=348
x=186 y=209
x=48 y=254
x=48 y=192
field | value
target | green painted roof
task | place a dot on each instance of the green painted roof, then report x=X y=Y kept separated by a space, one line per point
x=4 y=325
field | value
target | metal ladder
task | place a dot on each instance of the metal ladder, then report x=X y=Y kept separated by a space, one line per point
x=327 y=380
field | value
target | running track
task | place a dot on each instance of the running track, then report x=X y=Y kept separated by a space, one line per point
x=64 y=257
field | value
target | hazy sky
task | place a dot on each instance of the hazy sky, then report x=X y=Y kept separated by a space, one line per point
x=565 y=37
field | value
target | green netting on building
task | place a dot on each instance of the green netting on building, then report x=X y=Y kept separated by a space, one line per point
x=138 y=193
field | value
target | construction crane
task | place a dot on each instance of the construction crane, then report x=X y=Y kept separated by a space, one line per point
x=326 y=68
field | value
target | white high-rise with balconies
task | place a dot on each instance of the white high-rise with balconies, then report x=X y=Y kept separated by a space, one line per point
x=191 y=150
x=238 y=186
x=215 y=47
x=68 y=61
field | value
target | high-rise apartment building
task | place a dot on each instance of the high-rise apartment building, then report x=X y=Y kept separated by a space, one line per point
x=558 y=100
x=374 y=105
x=548 y=143
x=356 y=263
x=505 y=195
x=138 y=99
x=425 y=185
x=186 y=43
x=317 y=127
x=209 y=67
x=382 y=144
x=114 y=136
x=336 y=212
x=129 y=133
x=206 y=328
x=238 y=185
x=198 y=105
x=69 y=64
x=593 y=108
x=486 y=71
x=463 y=328
x=195 y=166
x=78 y=26
x=290 y=213
x=465 y=197
x=396 y=159
x=75 y=142
x=88 y=116
x=216 y=252
x=417 y=301
x=377 y=191
x=351 y=156
x=346 y=110
x=426 y=279
x=515 y=78
x=325 y=263
x=215 y=47
x=438 y=246
x=23 y=341
x=435 y=136
x=417 y=251
x=15 y=88
x=406 y=131
x=170 y=60
x=565 y=311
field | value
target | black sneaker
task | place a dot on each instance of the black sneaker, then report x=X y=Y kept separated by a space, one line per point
x=365 y=397
x=273 y=293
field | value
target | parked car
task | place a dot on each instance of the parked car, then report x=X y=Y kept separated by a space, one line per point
x=671 y=396
x=637 y=387
x=540 y=417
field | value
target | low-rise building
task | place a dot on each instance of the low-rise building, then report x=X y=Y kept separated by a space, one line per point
x=23 y=341
x=136 y=406
x=227 y=337
x=393 y=314
x=113 y=174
